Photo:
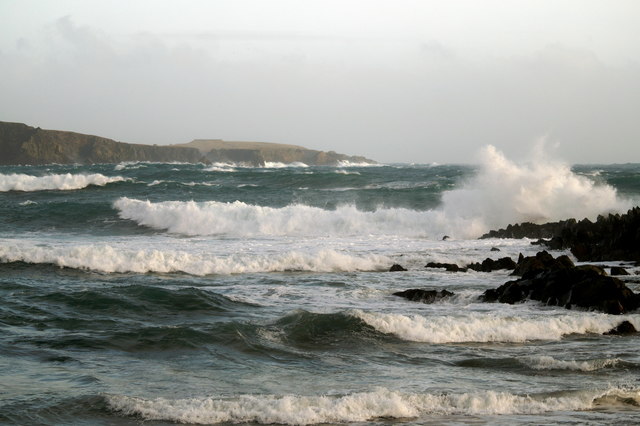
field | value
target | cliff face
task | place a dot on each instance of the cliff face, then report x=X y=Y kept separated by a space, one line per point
x=22 y=144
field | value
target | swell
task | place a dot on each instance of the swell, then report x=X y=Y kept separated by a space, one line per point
x=536 y=364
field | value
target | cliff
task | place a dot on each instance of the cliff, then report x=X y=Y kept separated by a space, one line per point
x=22 y=144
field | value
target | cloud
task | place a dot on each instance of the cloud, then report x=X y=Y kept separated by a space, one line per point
x=392 y=100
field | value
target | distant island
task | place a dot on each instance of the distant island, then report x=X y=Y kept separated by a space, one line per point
x=23 y=144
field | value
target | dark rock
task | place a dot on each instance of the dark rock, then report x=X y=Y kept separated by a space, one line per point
x=625 y=327
x=540 y=262
x=562 y=285
x=396 y=268
x=489 y=265
x=618 y=270
x=611 y=237
x=495 y=249
x=424 y=296
x=450 y=267
x=446 y=237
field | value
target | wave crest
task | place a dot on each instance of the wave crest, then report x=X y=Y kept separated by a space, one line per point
x=356 y=407
x=62 y=182
x=110 y=259
x=489 y=327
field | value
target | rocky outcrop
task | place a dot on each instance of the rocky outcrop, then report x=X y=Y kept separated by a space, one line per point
x=490 y=265
x=622 y=329
x=397 y=268
x=424 y=296
x=561 y=284
x=450 y=267
x=22 y=144
x=610 y=238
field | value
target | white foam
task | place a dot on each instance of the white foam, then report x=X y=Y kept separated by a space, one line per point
x=543 y=190
x=241 y=219
x=346 y=163
x=68 y=181
x=110 y=259
x=279 y=165
x=550 y=363
x=491 y=327
x=346 y=172
x=356 y=407
x=221 y=167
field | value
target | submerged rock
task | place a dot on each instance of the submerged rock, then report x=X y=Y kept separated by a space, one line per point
x=560 y=284
x=625 y=327
x=396 y=268
x=424 y=296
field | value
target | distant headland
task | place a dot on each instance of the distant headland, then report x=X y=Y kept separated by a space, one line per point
x=23 y=144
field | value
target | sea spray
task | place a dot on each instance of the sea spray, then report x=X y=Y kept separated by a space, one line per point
x=504 y=192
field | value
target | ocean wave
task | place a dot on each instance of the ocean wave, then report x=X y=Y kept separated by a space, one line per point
x=63 y=182
x=490 y=327
x=550 y=363
x=505 y=192
x=111 y=259
x=279 y=165
x=222 y=167
x=360 y=407
x=346 y=163
x=241 y=219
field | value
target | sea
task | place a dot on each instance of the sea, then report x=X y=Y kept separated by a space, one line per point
x=170 y=293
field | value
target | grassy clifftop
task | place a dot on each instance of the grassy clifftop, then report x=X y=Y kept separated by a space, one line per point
x=23 y=144
x=257 y=153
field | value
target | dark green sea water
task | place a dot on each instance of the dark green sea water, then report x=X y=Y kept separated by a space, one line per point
x=159 y=294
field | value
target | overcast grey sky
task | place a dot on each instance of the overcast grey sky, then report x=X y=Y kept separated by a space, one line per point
x=396 y=81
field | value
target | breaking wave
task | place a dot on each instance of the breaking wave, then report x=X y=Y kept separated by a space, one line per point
x=544 y=190
x=550 y=363
x=110 y=259
x=502 y=193
x=360 y=407
x=490 y=327
x=63 y=182
x=241 y=219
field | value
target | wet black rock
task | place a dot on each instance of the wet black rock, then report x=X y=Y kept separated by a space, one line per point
x=618 y=270
x=612 y=237
x=489 y=265
x=625 y=327
x=495 y=249
x=560 y=284
x=396 y=268
x=450 y=267
x=424 y=296
x=540 y=262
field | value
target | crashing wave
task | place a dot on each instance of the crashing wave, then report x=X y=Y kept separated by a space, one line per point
x=62 y=182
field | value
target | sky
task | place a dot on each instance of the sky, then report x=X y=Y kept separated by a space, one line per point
x=395 y=81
